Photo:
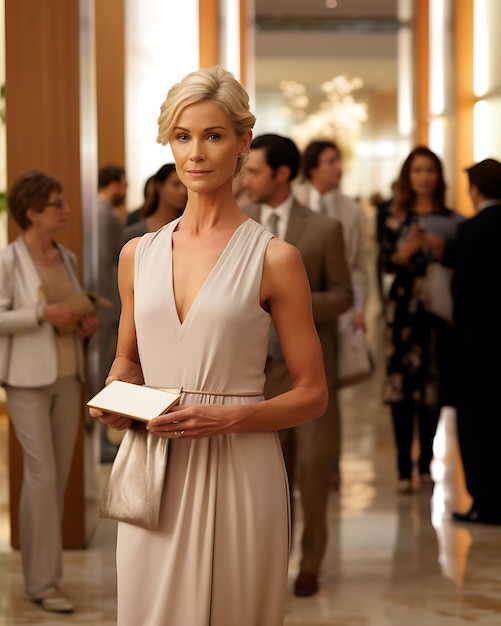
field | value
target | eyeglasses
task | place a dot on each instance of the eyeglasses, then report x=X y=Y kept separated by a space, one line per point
x=59 y=203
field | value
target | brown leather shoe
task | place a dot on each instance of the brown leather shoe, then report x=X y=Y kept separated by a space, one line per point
x=306 y=584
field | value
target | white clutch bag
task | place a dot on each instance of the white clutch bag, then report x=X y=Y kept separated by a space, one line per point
x=436 y=291
x=135 y=401
x=355 y=362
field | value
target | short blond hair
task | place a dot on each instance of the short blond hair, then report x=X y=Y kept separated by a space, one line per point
x=210 y=83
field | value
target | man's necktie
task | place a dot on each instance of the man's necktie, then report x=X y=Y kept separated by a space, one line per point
x=273 y=224
x=321 y=205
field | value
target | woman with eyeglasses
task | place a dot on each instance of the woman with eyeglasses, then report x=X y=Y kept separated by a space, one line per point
x=41 y=367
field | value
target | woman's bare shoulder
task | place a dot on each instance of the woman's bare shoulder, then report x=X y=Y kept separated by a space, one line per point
x=281 y=250
x=282 y=256
x=128 y=251
x=127 y=257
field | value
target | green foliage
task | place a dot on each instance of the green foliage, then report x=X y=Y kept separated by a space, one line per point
x=3 y=201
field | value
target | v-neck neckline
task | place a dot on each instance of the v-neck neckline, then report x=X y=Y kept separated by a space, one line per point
x=207 y=280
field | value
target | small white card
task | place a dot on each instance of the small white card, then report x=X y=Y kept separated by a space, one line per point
x=135 y=401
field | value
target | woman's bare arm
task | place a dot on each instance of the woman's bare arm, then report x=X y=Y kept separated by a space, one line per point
x=126 y=365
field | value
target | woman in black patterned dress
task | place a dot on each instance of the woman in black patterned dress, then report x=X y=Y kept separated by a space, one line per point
x=419 y=344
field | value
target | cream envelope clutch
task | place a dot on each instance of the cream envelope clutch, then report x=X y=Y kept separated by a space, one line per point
x=84 y=303
x=135 y=401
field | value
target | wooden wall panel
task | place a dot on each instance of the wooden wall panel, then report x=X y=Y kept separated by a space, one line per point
x=464 y=99
x=110 y=80
x=421 y=73
x=42 y=97
x=208 y=32
x=243 y=42
x=43 y=131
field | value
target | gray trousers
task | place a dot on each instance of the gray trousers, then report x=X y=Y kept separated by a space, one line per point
x=45 y=420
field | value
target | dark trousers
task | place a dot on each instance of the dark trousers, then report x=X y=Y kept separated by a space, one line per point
x=479 y=433
x=403 y=415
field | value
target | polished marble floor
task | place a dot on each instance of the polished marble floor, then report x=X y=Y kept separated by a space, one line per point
x=393 y=560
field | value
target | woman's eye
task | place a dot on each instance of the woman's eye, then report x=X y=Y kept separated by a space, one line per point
x=214 y=137
x=182 y=137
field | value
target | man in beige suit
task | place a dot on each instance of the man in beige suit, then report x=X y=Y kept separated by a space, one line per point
x=308 y=449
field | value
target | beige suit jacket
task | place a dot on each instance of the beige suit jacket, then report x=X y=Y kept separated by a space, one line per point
x=319 y=239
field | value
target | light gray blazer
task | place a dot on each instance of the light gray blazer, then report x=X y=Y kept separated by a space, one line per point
x=351 y=216
x=28 y=356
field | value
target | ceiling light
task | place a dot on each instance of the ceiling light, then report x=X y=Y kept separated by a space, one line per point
x=331 y=4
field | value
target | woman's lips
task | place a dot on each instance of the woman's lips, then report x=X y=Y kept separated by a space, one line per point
x=198 y=172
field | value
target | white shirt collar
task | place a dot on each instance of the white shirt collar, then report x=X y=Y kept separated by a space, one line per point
x=282 y=210
x=315 y=195
x=486 y=203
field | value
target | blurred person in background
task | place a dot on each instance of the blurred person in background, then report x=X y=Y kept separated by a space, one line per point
x=165 y=203
x=41 y=367
x=419 y=343
x=322 y=170
x=112 y=190
x=477 y=318
x=148 y=190
x=308 y=448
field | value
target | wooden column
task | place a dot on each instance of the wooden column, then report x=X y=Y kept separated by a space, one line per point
x=45 y=130
x=422 y=60
x=243 y=42
x=110 y=76
x=464 y=99
x=208 y=32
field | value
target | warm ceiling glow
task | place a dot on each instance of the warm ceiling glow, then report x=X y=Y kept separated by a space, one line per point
x=482 y=124
x=481 y=48
x=339 y=116
x=437 y=53
x=331 y=4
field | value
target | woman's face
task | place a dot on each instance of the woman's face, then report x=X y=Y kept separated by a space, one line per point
x=206 y=146
x=54 y=216
x=172 y=192
x=423 y=176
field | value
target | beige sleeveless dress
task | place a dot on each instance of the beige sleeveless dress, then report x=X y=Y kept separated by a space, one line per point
x=220 y=555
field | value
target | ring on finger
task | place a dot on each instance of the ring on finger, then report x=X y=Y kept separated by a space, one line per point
x=178 y=433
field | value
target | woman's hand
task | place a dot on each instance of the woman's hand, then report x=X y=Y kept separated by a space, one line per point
x=118 y=422
x=436 y=244
x=416 y=240
x=88 y=325
x=59 y=314
x=192 y=421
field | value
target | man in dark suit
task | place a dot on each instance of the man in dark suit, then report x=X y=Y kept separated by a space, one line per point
x=477 y=317
x=308 y=449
